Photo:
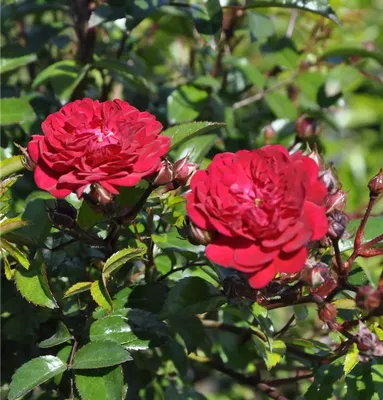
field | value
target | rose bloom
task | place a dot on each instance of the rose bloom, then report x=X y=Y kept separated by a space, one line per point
x=264 y=206
x=87 y=141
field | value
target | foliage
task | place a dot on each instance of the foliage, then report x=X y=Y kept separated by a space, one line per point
x=128 y=309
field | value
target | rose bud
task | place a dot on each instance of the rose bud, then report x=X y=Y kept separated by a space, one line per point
x=337 y=222
x=315 y=275
x=368 y=298
x=336 y=201
x=306 y=127
x=165 y=174
x=367 y=341
x=194 y=234
x=64 y=215
x=315 y=156
x=327 y=312
x=269 y=134
x=184 y=171
x=330 y=178
x=99 y=195
x=376 y=184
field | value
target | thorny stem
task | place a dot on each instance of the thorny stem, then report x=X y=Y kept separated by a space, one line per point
x=360 y=232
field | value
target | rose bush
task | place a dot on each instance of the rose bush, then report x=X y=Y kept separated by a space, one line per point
x=87 y=141
x=264 y=205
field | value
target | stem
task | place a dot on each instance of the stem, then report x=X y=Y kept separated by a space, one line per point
x=342 y=271
x=293 y=20
x=74 y=349
x=11 y=166
x=360 y=232
x=286 y=327
x=369 y=244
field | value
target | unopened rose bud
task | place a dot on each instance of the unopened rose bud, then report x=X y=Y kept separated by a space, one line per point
x=330 y=179
x=315 y=156
x=64 y=215
x=100 y=195
x=327 y=312
x=269 y=134
x=368 y=298
x=184 y=171
x=315 y=275
x=165 y=174
x=194 y=234
x=376 y=184
x=337 y=222
x=306 y=127
x=336 y=201
x=368 y=341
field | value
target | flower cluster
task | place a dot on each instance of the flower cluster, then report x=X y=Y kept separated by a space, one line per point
x=260 y=208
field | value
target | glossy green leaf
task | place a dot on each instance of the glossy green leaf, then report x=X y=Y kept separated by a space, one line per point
x=100 y=355
x=100 y=295
x=207 y=16
x=261 y=26
x=190 y=328
x=7 y=267
x=192 y=296
x=64 y=355
x=281 y=106
x=15 y=252
x=372 y=230
x=252 y=73
x=9 y=64
x=117 y=260
x=116 y=329
x=7 y=183
x=15 y=111
x=34 y=373
x=186 y=103
x=62 y=335
x=183 y=132
x=102 y=384
x=377 y=378
x=33 y=284
x=321 y=7
x=77 y=288
x=64 y=76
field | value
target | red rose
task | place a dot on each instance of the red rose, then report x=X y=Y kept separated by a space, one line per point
x=265 y=206
x=111 y=143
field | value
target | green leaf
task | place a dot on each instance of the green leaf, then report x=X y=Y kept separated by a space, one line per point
x=252 y=73
x=196 y=148
x=64 y=76
x=15 y=252
x=377 y=378
x=186 y=103
x=100 y=355
x=351 y=359
x=126 y=72
x=150 y=297
x=33 y=284
x=117 y=260
x=104 y=384
x=353 y=51
x=321 y=7
x=207 y=16
x=15 y=111
x=64 y=355
x=261 y=26
x=62 y=335
x=372 y=229
x=116 y=329
x=270 y=357
x=77 y=288
x=7 y=183
x=9 y=64
x=191 y=330
x=87 y=217
x=265 y=323
x=100 y=295
x=34 y=373
x=178 y=356
x=183 y=132
x=10 y=224
x=192 y=295
x=281 y=106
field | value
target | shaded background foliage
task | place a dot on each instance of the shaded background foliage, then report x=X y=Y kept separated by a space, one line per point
x=256 y=69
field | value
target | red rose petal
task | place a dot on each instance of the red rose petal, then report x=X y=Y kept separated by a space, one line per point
x=291 y=262
x=317 y=218
x=253 y=255
x=261 y=278
x=220 y=252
